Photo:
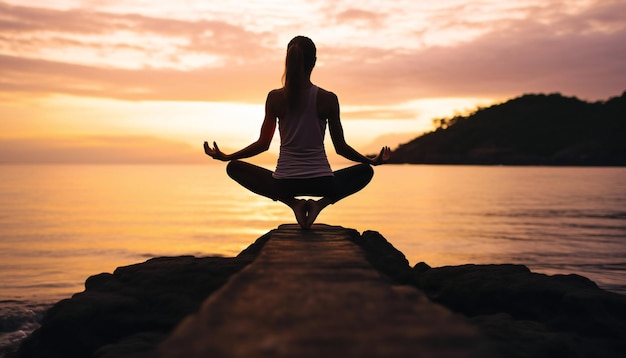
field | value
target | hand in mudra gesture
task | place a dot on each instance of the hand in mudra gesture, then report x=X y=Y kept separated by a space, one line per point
x=382 y=157
x=215 y=152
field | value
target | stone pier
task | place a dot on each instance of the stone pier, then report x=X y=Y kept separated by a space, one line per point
x=313 y=293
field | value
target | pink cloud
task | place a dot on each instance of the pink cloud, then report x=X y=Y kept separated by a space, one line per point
x=35 y=25
x=360 y=17
x=552 y=51
x=379 y=114
x=31 y=19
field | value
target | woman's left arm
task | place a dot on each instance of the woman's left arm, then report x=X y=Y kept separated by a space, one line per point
x=336 y=132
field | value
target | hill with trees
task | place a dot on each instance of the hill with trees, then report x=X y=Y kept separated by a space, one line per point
x=534 y=129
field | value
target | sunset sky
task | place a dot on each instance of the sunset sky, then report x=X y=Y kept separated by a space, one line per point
x=150 y=80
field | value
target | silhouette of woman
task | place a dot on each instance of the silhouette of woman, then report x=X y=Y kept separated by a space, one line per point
x=302 y=111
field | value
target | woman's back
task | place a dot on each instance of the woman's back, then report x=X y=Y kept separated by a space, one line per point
x=302 y=153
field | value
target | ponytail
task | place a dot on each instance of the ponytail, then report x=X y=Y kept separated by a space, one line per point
x=299 y=62
x=294 y=73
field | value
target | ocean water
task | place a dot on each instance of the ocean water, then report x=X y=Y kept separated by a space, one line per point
x=59 y=224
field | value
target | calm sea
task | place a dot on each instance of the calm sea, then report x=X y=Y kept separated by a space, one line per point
x=62 y=223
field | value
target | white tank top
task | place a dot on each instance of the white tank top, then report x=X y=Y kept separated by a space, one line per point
x=302 y=153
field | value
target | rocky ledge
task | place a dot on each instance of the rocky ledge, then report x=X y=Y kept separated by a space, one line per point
x=522 y=314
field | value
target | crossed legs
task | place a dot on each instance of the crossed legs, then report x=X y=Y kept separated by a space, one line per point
x=343 y=183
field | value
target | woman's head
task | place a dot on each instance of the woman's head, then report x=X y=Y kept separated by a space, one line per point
x=299 y=62
x=303 y=46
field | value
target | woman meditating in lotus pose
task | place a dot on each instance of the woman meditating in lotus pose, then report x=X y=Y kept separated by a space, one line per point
x=302 y=110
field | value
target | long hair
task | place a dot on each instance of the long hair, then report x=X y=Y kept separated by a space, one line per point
x=299 y=63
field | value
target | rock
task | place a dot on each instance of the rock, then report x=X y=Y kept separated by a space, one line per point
x=529 y=314
x=420 y=267
x=384 y=257
x=132 y=309
x=524 y=314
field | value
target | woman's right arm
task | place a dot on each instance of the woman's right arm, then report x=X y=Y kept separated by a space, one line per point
x=260 y=145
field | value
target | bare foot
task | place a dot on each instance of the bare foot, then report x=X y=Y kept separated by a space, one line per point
x=299 y=208
x=313 y=209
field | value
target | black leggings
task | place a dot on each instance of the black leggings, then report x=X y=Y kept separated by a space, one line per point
x=259 y=180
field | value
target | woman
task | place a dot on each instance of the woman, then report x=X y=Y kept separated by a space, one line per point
x=302 y=110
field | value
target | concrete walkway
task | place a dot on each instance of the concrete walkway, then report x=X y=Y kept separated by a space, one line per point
x=313 y=294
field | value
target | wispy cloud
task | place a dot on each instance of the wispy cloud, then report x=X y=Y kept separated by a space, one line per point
x=379 y=113
x=360 y=18
x=103 y=37
x=542 y=47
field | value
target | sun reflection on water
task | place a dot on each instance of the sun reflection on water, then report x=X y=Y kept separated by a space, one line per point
x=64 y=223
